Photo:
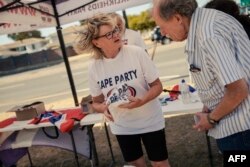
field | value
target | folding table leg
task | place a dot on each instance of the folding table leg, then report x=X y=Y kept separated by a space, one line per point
x=74 y=148
x=110 y=146
x=31 y=164
x=92 y=145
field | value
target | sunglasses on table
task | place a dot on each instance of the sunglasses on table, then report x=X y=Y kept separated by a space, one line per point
x=110 y=34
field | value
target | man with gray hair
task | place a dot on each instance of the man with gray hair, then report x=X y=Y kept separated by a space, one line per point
x=217 y=51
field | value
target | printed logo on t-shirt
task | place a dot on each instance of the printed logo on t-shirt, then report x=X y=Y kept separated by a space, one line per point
x=120 y=93
x=124 y=89
x=117 y=79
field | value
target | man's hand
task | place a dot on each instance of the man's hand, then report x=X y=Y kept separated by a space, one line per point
x=203 y=124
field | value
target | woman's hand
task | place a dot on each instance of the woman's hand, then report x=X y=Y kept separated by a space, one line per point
x=103 y=108
x=100 y=107
x=134 y=102
x=99 y=104
x=108 y=116
x=152 y=93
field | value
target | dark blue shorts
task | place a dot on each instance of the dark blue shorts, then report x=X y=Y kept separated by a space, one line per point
x=154 y=143
x=235 y=142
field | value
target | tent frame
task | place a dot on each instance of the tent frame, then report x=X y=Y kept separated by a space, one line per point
x=18 y=4
x=69 y=72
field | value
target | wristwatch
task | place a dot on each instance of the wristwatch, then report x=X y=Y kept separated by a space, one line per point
x=211 y=121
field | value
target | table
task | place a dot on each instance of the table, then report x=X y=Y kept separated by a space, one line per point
x=92 y=119
x=35 y=136
x=177 y=107
x=172 y=107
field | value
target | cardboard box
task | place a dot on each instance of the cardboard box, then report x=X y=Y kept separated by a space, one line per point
x=29 y=111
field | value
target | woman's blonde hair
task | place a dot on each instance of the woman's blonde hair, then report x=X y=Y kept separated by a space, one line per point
x=119 y=20
x=91 y=31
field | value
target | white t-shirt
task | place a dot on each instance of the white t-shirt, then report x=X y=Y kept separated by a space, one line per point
x=133 y=67
x=132 y=37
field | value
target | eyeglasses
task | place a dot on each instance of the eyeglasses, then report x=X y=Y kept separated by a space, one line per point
x=110 y=34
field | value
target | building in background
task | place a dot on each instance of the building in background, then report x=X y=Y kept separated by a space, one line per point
x=70 y=36
x=25 y=46
x=34 y=53
x=25 y=55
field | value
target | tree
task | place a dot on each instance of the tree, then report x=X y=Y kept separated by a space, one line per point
x=141 y=22
x=25 y=35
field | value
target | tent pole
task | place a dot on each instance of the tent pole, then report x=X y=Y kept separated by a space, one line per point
x=125 y=18
x=65 y=57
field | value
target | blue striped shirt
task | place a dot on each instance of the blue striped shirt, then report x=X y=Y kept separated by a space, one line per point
x=219 y=46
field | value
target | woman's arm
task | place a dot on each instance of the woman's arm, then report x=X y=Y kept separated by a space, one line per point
x=154 y=91
x=100 y=106
x=98 y=103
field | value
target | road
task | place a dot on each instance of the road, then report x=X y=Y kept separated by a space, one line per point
x=51 y=84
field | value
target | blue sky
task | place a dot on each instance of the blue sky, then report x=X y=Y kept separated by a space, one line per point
x=134 y=10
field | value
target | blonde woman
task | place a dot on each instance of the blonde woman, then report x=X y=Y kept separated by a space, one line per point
x=113 y=64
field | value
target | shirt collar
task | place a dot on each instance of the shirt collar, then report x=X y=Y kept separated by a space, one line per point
x=192 y=31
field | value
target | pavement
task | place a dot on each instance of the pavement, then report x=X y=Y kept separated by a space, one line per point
x=56 y=69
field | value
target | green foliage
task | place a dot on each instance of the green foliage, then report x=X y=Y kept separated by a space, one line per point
x=25 y=35
x=141 y=22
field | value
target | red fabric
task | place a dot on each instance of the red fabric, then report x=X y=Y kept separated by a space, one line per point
x=63 y=119
x=66 y=122
x=44 y=117
x=37 y=120
x=73 y=113
x=7 y=122
x=174 y=95
x=67 y=126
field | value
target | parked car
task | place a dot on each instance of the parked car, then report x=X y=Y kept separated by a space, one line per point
x=156 y=36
